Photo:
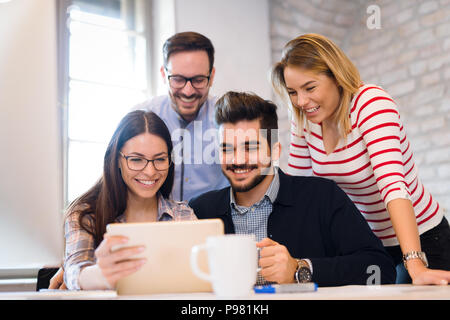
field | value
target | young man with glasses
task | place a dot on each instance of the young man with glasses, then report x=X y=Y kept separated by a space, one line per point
x=188 y=111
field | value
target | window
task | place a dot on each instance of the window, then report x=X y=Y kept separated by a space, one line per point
x=106 y=77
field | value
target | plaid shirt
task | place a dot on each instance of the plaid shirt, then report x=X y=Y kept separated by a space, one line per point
x=253 y=220
x=79 y=252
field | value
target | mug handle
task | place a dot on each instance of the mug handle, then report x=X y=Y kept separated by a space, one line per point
x=194 y=262
x=258 y=269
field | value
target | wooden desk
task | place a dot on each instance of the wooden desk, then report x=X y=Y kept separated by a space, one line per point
x=385 y=292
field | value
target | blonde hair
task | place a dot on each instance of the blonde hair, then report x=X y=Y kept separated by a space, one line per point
x=314 y=52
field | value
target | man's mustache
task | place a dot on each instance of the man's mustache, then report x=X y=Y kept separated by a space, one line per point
x=241 y=167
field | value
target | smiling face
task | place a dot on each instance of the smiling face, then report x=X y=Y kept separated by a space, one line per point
x=188 y=100
x=144 y=184
x=316 y=95
x=245 y=154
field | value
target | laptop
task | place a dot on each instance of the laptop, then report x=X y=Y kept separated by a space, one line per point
x=168 y=250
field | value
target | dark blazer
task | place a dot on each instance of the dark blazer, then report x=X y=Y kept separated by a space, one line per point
x=315 y=219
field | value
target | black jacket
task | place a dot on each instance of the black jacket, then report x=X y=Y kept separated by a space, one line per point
x=315 y=219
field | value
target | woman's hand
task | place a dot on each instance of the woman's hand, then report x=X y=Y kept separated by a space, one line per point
x=57 y=281
x=421 y=275
x=113 y=265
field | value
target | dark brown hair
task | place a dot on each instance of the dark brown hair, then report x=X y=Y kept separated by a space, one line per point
x=107 y=199
x=233 y=107
x=188 y=41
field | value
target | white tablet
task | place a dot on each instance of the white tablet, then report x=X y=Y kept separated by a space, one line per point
x=168 y=249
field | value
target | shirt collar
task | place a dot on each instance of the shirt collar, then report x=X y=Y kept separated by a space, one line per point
x=274 y=187
x=163 y=208
x=271 y=192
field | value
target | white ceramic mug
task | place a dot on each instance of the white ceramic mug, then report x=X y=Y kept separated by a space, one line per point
x=233 y=264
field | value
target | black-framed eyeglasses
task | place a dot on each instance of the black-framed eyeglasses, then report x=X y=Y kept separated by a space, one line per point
x=136 y=163
x=198 y=82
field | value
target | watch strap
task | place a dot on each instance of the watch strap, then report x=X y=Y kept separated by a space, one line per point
x=415 y=255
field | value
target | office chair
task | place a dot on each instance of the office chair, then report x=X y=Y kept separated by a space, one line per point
x=44 y=276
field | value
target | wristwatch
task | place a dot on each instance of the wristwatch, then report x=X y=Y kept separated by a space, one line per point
x=415 y=255
x=303 y=272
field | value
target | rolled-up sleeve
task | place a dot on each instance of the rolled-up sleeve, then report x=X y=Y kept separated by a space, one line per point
x=79 y=251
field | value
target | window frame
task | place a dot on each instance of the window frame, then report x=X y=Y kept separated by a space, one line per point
x=64 y=79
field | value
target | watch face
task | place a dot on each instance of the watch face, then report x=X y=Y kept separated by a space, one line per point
x=304 y=275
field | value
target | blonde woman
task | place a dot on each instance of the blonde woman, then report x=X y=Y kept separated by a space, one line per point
x=351 y=132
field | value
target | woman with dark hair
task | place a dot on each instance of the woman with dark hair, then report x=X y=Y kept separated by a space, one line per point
x=137 y=180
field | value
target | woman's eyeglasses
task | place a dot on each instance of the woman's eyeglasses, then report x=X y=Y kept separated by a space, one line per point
x=137 y=163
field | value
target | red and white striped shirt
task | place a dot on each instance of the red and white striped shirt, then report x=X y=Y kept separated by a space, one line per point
x=373 y=166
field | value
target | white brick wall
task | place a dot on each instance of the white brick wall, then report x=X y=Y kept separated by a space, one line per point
x=409 y=57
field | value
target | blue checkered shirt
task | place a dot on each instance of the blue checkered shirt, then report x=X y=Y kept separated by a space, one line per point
x=253 y=220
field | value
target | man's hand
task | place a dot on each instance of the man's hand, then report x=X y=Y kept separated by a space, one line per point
x=275 y=261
